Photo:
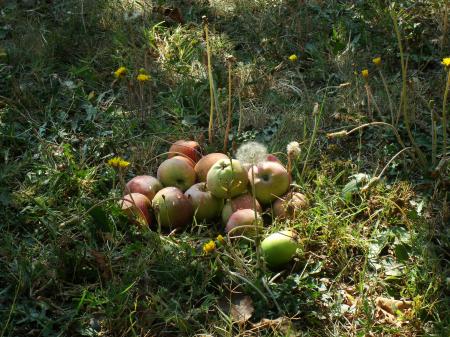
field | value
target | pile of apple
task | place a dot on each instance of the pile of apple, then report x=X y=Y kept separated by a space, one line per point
x=190 y=187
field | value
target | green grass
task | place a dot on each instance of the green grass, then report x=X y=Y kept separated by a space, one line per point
x=65 y=271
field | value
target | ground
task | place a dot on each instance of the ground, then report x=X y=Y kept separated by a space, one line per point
x=375 y=239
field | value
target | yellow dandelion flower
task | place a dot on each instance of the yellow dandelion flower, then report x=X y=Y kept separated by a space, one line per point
x=377 y=61
x=143 y=78
x=293 y=58
x=209 y=247
x=220 y=239
x=365 y=73
x=118 y=162
x=120 y=72
x=446 y=62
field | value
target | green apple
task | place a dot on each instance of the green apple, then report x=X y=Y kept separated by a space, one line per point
x=205 y=163
x=279 y=248
x=227 y=179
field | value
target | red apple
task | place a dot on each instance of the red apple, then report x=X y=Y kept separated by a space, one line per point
x=146 y=185
x=271 y=181
x=172 y=208
x=189 y=148
x=136 y=206
x=227 y=179
x=272 y=157
x=243 y=222
x=240 y=202
x=177 y=173
x=205 y=163
x=289 y=205
x=186 y=159
x=206 y=206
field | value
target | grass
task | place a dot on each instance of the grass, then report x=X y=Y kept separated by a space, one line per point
x=72 y=265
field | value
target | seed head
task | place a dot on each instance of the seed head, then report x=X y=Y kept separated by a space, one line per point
x=251 y=153
x=293 y=149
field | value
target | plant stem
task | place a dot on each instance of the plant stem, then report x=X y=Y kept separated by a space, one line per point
x=386 y=88
x=404 y=97
x=444 y=116
x=227 y=130
x=257 y=238
x=211 y=87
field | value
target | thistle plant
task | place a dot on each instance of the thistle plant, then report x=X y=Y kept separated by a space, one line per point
x=253 y=153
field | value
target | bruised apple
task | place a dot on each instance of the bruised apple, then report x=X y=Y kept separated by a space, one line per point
x=244 y=222
x=146 y=185
x=177 y=173
x=136 y=206
x=206 y=205
x=227 y=178
x=289 y=205
x=244 y=201
x=189 y=148
x=172 y=208
x=205 y=163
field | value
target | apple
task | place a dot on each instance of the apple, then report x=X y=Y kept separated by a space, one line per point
x=227 y=179
x=243 y=222
x=289 y=205
x=172 y=208
x=279 y=248
x=177 y=173
x=146 y=185
x=189 y=148
x=136 y=206
x=206 y=205
x=186 y=159
x=240 y=202
x=272 y=157
x=271 y=181
x=205 y=163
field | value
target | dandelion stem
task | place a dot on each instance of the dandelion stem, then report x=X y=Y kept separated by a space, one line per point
x=386 y=88
x=444 y=116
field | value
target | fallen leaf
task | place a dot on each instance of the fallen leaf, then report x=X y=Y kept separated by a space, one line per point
x=238 y=306
x=392 y=311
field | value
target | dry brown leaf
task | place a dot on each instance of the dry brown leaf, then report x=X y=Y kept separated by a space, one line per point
x=393 y=306
x=389 y=311
x=239 y=307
